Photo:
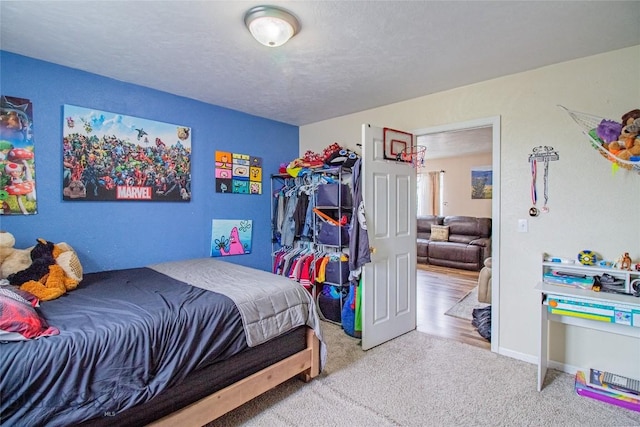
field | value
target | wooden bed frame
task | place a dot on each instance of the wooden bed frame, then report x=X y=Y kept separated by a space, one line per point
x=305 y=364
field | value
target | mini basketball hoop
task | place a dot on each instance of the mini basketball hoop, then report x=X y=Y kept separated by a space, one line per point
x=413 y=155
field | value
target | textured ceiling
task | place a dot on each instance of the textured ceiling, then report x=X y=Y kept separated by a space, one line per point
x=349 y=56
x=457 y=143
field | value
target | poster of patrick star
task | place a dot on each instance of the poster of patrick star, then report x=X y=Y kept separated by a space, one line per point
x=231 y=237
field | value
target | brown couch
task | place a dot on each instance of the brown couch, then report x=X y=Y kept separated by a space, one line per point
x=467 y=246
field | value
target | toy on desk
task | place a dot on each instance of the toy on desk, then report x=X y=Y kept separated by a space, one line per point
x=624 y=262
x=587 y=257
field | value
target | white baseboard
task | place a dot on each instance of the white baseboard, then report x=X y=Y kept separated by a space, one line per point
x=552 y=364
x=519 y=356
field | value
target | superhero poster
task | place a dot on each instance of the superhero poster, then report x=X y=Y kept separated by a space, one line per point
x=113 y=157
x=17 y=158
x=231 y=237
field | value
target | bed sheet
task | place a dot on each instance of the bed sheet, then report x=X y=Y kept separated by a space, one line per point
x=125 y=336
x=268 y=303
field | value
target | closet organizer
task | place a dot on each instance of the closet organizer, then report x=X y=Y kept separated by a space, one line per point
x=311 y=214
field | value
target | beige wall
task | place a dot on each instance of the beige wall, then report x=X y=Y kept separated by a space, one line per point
x=457 y=185
x=591 y=206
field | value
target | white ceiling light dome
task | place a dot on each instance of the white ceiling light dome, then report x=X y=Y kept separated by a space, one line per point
x=271 y=26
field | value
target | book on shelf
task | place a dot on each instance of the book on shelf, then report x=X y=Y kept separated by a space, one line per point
x=583 y=389
x=614 y=383
x=575 y=281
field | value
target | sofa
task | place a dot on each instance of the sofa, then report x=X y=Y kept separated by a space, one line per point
x=462 y=242
x=484 y=282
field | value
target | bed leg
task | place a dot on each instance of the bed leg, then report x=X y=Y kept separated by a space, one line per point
x=313 y=344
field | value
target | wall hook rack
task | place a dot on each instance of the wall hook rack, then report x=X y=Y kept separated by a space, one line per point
x=544 y=152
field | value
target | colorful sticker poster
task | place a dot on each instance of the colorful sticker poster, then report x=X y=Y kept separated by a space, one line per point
x=231 y=237
x=112 y=157
x=238 y=173
x=17 y=157
x=481 y=182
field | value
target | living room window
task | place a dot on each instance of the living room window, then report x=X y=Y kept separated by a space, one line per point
x=430 y=197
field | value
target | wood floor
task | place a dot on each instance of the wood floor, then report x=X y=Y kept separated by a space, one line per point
x=438 y=289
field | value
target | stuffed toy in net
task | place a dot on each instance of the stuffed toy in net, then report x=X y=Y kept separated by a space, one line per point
x=617 y=141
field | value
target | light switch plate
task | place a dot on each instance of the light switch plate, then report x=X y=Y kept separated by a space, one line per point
x=523 y=226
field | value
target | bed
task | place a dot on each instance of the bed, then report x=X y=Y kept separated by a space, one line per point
x=176 y=343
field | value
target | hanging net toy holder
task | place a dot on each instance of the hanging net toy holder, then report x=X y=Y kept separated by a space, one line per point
x=589 y=124
x=413 y=155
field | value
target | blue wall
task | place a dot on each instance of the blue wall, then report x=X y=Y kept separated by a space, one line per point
x=112 y=235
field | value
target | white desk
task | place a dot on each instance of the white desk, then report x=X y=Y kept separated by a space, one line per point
x=618 y=314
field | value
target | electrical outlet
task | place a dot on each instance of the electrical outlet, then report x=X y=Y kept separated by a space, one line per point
x=523 y=226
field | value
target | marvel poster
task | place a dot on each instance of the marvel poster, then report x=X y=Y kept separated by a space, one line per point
x=17 y=158
x=111 y=157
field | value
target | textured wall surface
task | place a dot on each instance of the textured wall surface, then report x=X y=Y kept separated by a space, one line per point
x=109 y=235
x=591 y=206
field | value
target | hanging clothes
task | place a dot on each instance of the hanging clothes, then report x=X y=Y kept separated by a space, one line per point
x=300 y=212
x=358 y=310
x=289 y=223
x=359 y=253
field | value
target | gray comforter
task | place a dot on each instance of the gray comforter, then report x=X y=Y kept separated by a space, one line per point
x=269 y=304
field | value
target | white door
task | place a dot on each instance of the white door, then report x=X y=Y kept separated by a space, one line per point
x=389 y=280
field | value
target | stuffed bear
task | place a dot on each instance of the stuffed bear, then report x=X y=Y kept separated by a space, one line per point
x=54 y=270
x=41 y=258
x=628 y=143
x=11 y=259
x=50 y=286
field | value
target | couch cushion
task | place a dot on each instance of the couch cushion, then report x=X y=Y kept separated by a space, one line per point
x=425 y=222
x=454 y=252
x=423 y=248
x=468 y=226
x=440 y=233
x=462 y=238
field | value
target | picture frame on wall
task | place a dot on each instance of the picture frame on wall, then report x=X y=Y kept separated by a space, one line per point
x=481 y=182
x=237 y=173
x=114 y=157
x=231 y=237
x=17 y=157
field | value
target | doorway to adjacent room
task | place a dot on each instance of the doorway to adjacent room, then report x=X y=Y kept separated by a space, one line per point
x=439 y=288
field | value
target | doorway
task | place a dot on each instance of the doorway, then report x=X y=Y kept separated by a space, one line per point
x=492 y=123
x=438 y=292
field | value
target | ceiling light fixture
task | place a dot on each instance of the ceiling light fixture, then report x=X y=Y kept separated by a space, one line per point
x=270 y=25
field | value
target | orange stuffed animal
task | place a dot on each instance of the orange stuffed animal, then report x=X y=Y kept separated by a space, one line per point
x=63 y=275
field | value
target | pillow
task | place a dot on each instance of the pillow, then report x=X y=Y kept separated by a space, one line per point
x=20 y=295
x=440 y=233
x=19 y=321
x=69 y=262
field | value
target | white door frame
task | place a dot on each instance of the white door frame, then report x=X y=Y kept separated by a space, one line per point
x=494 y=122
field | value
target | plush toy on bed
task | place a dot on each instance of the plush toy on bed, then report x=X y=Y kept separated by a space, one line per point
x=12 y=259
x=54 y=270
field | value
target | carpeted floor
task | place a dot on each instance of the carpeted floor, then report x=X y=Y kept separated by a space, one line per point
x=464 y=308
x=421 y=380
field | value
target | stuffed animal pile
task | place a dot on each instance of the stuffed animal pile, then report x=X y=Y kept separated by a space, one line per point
x=622 y=139
x=46 y=270
x=11 y=259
